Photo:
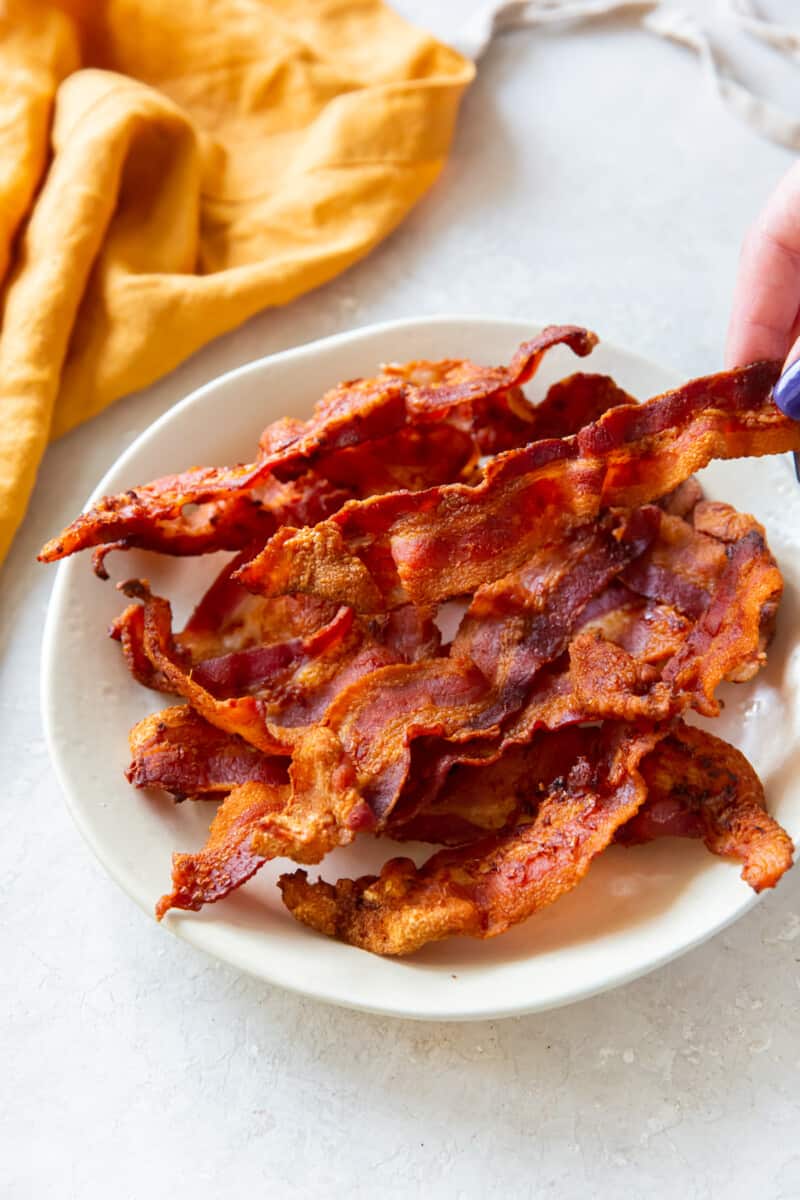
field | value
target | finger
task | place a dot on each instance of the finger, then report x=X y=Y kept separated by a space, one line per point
x=766 y=301
x=786 y=392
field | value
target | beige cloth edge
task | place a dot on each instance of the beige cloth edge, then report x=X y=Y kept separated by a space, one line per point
x=665 y=21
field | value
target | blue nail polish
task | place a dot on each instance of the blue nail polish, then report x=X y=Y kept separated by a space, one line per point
x=786 y=392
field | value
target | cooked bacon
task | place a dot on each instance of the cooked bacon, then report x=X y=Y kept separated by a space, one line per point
x=227 y=860
x=728 y=642
x=128 y=630
x=683 y=499
x=180 y=752
x=228 y=617
x=183 y=514
x=226 y=508
x=681 y=568
x=294 y=679
x=574 y=402
x=256 y=822
x=347 y=772
x=489 y=796
x=698 y=786
x=628 y=659
x=228 y=628
x=291 y=683
x=431 y=545
x=459 y=709
x=279 y=723
x=241 y=715
x=596 y=554
x=227 y=607
x=602 y=598
x=484 y=888
x=510 y=631
x=240 y=672
x=508 y=418
x=469 y=395
x=410 y=460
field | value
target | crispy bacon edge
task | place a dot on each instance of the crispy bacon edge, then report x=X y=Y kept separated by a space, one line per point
x=429 y=546
x=153 y=516
x=694 y=774
x=483 y=888
x=698 y=786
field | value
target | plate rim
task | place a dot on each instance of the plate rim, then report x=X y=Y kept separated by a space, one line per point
x=191 y=931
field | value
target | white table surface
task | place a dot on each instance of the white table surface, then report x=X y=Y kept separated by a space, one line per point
x=594 y=179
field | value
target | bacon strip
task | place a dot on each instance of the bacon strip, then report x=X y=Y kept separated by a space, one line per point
x=347 y=773
x=319 y=810
x=490 y=796
x=128 y=630
x=245 y=671
x=258 y=662
x=291 y=683
x=227 y=860
x=729 y=639
x=180 y=752
x=606 y=680
x=174 y=516
x=240 y=715
x=682 y=500
x=412 y=459
x=229 y=618
x=681 y=568
x=473 y=396
x=238 y=504
x=485 y=888
x=431 y=545
x=574 y=402
x=322 y=704
x=699 y=786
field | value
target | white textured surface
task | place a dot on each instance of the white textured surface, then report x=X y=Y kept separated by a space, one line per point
x=593 y=180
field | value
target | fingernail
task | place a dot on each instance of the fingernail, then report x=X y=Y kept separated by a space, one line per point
x=786 y=392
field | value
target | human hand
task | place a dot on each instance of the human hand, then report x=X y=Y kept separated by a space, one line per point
x=765 y=322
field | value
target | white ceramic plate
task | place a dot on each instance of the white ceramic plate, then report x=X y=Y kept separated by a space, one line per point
x=637 y=909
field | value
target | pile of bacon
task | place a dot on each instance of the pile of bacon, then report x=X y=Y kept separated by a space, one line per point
x=597 y=596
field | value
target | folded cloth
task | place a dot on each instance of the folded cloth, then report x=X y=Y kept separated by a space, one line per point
x=168 y=169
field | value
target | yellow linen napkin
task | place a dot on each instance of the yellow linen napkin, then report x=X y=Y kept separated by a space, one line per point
x=168 y=169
